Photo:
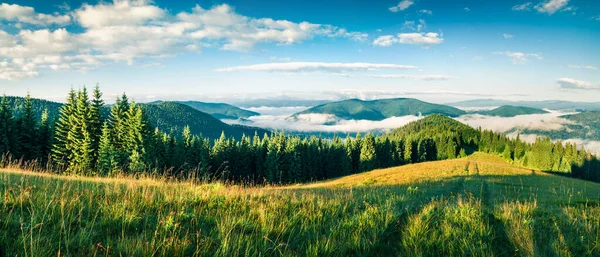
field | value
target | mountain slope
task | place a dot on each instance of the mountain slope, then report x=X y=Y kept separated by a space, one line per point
x=511 y=111
x=218 y=110
x=174 y=116
x=165 y=115
x=381 y=109
x=585 y=125
x=547 y=104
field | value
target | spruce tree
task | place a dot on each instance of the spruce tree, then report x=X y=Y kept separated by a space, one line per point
x=27 y=131
x=106 y=162
x=61 y=147
x=44 y=138
x=96 y=121
x=7 y=126
x=367 y=154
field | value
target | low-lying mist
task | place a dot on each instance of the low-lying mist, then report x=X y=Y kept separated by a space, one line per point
x=278 y=118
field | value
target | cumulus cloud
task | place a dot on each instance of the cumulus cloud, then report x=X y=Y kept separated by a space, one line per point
x=467 y=9
x=589 y=67
x=551 y=6
x=519 y=57
x=522 y=7
x=548 y=6
x=385 y=41
x=412 y=25
x=507 y=36
x=424 y=11
x=315 y=66
x=430 y=38
x=569 y=83
x=28 y=15
x=403 y=5
x=126 y=30
x=415 y=77
x=547 y=122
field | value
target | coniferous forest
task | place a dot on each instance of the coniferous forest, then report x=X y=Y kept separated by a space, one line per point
x=83 y=139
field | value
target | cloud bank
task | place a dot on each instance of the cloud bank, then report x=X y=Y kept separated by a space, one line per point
x=128 y=30
x=316 y=66
x=568 y=83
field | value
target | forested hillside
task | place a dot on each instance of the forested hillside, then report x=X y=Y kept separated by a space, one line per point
x=218 y=110
x=355 y=109
x=584 y=125
x=84 y=141
x=547 y=104
x=511 y=111
x=173 y=116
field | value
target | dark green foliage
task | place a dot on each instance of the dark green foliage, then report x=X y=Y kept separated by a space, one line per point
x=220 y=110
x=382 y=109
x=511 y=111
x=173 y=116
x=128 y=142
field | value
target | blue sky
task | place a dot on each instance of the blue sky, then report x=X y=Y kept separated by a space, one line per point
x=220 y=50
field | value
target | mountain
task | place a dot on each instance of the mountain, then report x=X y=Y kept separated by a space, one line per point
x=355 y=109
x=278 y=102
x=548 y=104
x=218 y=110
x=511 y=111
x=39 y=105
x=584 y=125
x=166 y=116
x=175 y=116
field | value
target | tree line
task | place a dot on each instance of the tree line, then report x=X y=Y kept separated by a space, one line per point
x=85 y=139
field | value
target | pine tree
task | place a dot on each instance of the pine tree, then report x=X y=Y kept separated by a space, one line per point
x=27 y=131
x=368 y=158
x=61 y=149
x=44 y=137
x=106 y=162
x=80 y=137
x=96 y=121
x=7 y=126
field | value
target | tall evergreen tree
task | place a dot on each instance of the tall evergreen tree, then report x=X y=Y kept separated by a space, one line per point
x=61 y=150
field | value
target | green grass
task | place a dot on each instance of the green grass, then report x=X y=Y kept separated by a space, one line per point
x=477 y=206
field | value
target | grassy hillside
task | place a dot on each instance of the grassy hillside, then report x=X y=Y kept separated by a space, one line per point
x=475 y=206
x=511 y=111
x=382 y=109
x=219 y=110
x=169 y=116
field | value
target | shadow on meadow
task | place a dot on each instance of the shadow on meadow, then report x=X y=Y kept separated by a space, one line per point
x=463 y=215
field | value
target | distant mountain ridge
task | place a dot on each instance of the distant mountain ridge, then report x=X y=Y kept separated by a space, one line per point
x=167 y=116
x=355 y=109
x=548 y=104
x=511 y=111
x=217 y=110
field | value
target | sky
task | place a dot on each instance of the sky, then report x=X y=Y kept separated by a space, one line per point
x=435 y=50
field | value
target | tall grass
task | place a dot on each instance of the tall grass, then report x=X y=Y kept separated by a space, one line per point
x=439 y=210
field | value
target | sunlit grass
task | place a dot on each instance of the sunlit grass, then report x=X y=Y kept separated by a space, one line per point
x=476 y=206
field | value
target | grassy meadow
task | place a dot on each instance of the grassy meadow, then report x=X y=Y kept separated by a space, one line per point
x=475 y=206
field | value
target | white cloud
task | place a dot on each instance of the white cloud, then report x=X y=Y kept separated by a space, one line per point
x=385 y=41
x=589 y=67
x=428 y=12
x=415 y=77
x=596 y=18
x=25 y=14
x=568 y=83
x=522 y=7
x=429 y=38
x=324 y=123
x=119 y=13
x=412 y=25
x=126 y=30
x=315 y=66
x=507 y=36
x=551 y=6
x=547 y=122
x=467 y=9
x=519 y=57
x=403 y=5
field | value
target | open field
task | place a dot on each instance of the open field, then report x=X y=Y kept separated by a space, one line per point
x=475 y=206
